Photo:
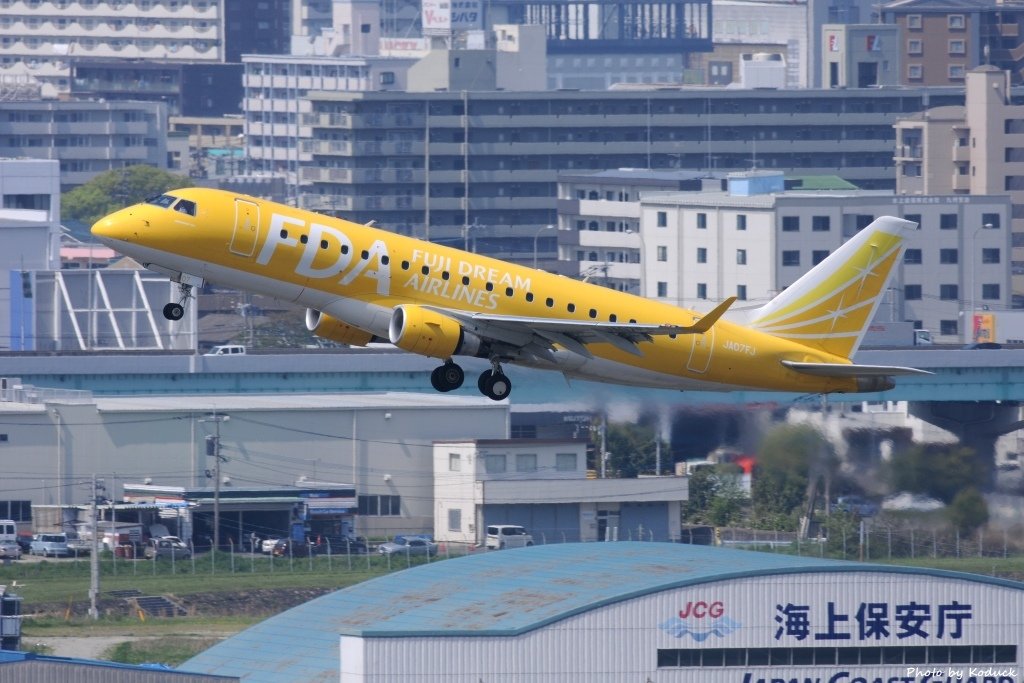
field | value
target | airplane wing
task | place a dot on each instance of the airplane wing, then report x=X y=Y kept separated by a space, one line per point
x=851 y=370
x=538 y=335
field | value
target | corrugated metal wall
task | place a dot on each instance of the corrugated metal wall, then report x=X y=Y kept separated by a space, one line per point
x=48 y=672
x=548 y=523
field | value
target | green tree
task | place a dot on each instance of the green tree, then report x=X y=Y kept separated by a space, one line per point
x=788 y=459
x=115 y=190
x=938 y=470
x=632 y=449
x=715 y=496
x=968 y=512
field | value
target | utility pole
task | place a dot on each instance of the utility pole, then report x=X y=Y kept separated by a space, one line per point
x=94 y=556
x=213 y=449
x=604 y=452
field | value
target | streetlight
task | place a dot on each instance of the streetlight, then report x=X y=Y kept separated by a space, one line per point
x=974 y=273
x=535 y=236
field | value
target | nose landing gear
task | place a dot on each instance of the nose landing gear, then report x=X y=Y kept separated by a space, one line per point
x=176 y=311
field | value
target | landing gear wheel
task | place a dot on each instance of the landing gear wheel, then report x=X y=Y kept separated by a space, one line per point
x=173 y=311
x=447 y=377
x=494 y=385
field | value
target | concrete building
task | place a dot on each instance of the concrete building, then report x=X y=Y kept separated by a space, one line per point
x=613 y=612
x=757 y=238
x=986 y=155
x=379 y=443
x=543 y=486
x=944 y=39
x=860 y=55
x=87 y=138
x=494 y=156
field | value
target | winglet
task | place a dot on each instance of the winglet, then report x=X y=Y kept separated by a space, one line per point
x=705 y=323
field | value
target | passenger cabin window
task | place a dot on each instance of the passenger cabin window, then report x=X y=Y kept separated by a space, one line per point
x=186 y=206
x=162 y=200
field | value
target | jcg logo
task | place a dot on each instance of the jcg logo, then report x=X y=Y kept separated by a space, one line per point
x=700 y=620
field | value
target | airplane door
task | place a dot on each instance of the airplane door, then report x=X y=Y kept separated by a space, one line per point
x=247 y=228
x=701 y=347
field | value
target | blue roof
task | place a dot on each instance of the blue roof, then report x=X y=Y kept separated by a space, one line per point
x=492 y=594
x=15 y=656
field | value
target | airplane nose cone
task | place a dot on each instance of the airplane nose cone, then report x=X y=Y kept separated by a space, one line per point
x=117 y=227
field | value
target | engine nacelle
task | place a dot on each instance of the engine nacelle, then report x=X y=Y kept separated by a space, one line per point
x=326 y=327
x=428 y=333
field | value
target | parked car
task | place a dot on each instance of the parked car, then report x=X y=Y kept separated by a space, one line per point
x=50 y=545
x=267 y=545
x=507 y=536
x=408 y=545
x=77 y=545
x=10 y=550
x=166 y=547
x=856 y=505
x=25 y=543
x=343 y=545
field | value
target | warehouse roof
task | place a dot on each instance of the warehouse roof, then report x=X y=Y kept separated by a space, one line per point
x=492 y=594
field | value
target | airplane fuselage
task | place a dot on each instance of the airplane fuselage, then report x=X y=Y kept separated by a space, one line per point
x=360 y=274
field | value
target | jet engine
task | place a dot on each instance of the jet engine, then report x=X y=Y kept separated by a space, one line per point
x=326 y=327
x=428 y=333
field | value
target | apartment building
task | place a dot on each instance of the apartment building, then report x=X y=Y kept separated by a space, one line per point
x=973 y=149
x=494 y=157
x=86 y=137
x=757 y=238
x=944 y=39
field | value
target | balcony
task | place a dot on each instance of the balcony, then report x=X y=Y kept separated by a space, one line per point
x=909 y=152
x=961 y=152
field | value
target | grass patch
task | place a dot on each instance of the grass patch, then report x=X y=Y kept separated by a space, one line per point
x=169 y=650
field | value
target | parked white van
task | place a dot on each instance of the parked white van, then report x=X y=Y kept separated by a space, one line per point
x=507 y=536
x=226 y=350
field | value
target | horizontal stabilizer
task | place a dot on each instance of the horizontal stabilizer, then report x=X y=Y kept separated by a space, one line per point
x=851 y=370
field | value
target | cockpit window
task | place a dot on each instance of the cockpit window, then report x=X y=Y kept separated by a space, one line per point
x=162 y=200
x=186 y=206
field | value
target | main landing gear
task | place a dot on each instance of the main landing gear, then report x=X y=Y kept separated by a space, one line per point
x=492 y=383
x=176 y=311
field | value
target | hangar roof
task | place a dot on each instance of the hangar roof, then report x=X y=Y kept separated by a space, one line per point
x=493 y=594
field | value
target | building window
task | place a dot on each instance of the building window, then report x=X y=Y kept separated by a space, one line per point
x=957 y=71
x=454 y=519
x=948 y=327
x=565 y=462
x=663 y=254
x=702 y=255
x=990 y=220
x=790 y=223
x=990 y=255
x=957 y=47
x=821 y=224
x=894 y=655
x=957 y=21
x=662 y=290
x=662 y=219
x=819 y=255
x=911 y=292
x=915 y=72
x=380 y=506
x=702 y=221
x=454 y=462
x=914 y=46
x=741 y=257
x=990 y=292
x=741 y=221
x=387 y=78
x=912 y=257
x=949 y=292
x=791 y=258
x=949 y=256
x=494 y=463
x=702 y=290
x=914 y=21
x=948 y=221
x=741 y=292
x=914 y=217
x=526 y=462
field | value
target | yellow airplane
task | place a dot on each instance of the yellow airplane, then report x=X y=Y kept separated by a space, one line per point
x=360 y=283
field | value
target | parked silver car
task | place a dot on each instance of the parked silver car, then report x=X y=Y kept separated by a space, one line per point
x=408 y=545
x=49 y=545
x=10 y=550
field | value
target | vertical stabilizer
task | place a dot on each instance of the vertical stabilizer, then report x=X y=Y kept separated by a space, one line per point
x=831 y=306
